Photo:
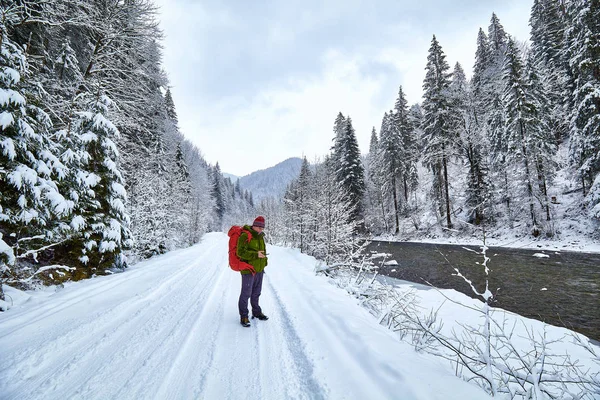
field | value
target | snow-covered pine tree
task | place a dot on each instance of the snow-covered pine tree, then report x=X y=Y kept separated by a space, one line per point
x=305 y=217
x=375 y=214
x=548 y=47
x=178 y=194
x=338 y=135
x=481 y=81
x=415 y=119
x=181 y=193
x=521 y=121
x=377 y=175
x=437 y=126
x=388 y=166
x=63 y=83
x=170 y=104
x=31 y=205
x=408 y=144
x=547 y=31
x=396 y=161
x=373 y=142
x=488 y=86
x=498 y=41
x=105 y=234
x=218 y=194
x=544 y=146
x=584 y=48
x=349 y=168
x=472 y=144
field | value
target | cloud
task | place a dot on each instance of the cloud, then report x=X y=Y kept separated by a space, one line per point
x=289 y=120
x=265 y=80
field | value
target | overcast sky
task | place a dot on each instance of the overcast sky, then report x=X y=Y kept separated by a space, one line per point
x=257 y=82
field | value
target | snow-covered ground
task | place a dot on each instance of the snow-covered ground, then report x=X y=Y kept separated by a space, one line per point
x=569 y=240
x=168 y=328
x=577 y=234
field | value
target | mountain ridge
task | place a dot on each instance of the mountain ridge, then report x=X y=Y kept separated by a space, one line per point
x=272 y=181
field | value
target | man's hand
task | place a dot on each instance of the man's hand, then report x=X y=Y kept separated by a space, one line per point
x=261 y=254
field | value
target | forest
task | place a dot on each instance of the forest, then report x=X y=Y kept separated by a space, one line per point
x=95 y=173
x=477 y=154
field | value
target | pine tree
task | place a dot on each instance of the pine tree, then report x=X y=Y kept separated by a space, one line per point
x=495 y=116
x=379 y=174
x=584 y=47
x=396 y=162
x=218 y=194
x=480 y=82
x=31 y=206
x=521 y=121
x=373 y=142
x=375 y=188
x=390 y=158
x=305 y=223
x=488 y=90
x=295 y=202
x=181 y=192
x=105 y=234
x=547 y=32
x=415 y=120
x=64 y=83
x=498 y=41
x=465 y=123
x=437 y=125
x=548 y=48
x=339 y=127
x=171 y=113
x=544 y=146
x=349 y=168
x=408 y=145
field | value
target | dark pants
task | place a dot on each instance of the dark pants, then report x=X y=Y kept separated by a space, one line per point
x=251 y=288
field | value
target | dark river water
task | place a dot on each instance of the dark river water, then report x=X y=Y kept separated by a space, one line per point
x=561 y=290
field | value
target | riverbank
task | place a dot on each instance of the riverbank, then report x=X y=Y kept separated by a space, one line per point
x=557 y=287
x=568 y=240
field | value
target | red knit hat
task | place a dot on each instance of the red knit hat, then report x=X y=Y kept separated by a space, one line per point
x=259 y=221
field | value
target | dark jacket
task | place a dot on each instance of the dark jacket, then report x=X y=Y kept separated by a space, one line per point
x=248 y=251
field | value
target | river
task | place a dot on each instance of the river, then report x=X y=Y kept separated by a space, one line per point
x=559 y=288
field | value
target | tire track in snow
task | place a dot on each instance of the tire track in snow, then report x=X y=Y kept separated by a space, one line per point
x=233 y=372
x=280 y=345
x=345 y=355
x=71 y=350
x=74 y=297
x=62 y=342
x=158 y=354
x=195 y=355
x=152 y=351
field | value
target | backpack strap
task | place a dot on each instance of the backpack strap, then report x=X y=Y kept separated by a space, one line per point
x=248 y=235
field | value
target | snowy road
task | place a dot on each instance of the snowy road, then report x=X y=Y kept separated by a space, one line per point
x=168 y=328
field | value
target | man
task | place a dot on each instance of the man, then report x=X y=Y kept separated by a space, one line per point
x=254 y=253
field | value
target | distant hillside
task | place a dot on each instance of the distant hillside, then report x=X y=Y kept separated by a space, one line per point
x=271 y=181
x=232 y=177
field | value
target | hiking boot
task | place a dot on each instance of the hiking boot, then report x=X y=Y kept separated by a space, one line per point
x=245 y=322
x=262 y=317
